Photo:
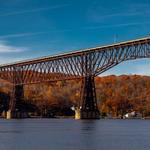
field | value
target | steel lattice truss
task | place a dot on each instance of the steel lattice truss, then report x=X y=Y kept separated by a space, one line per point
x=89 y=62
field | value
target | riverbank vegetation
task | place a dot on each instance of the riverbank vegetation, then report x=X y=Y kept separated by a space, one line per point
x=116 y=95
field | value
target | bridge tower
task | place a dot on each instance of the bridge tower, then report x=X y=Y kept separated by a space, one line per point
x=89 y=108
x=16 y=108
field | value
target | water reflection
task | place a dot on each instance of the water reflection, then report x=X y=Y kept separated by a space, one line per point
x=88 y=125
x=69 y=134
x=88 y=136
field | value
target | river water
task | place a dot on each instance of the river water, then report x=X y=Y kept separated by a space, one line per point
x=69 y=134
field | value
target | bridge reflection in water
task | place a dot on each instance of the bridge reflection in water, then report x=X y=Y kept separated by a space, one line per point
x=84 y=64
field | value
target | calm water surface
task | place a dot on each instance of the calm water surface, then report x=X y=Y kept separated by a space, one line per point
x=69 y=134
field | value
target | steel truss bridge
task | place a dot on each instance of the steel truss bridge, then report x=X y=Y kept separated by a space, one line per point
x=84 y=64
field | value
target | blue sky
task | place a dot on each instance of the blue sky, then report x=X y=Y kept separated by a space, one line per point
x=35 y=28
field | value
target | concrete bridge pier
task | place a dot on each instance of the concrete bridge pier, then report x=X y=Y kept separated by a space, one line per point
x=89 y=108
x=15 y=106
x=15 y=115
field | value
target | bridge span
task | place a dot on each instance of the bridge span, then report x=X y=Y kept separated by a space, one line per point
x=84 y=64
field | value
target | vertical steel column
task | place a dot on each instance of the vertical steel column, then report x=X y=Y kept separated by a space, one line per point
x=19 y=96
x=16 y=109
x=89 y=108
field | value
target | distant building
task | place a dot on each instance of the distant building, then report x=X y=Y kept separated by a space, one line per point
x=132 y=115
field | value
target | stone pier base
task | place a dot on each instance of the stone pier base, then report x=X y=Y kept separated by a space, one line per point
x=9 y=115
x=81 y=114
x=4 y=114
x=77 y=114
x=90 y=114
x=15 y=115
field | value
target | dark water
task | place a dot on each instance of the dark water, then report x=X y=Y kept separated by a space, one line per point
x=69 y=134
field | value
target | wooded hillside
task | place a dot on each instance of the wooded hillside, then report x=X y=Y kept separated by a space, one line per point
x=116 y=95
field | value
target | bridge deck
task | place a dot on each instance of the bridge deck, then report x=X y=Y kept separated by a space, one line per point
x=76 y=53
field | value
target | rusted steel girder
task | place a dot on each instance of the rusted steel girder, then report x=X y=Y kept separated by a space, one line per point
x=85 y=64
x=72 y=65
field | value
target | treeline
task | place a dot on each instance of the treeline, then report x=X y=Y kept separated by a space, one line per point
x=116 y=95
